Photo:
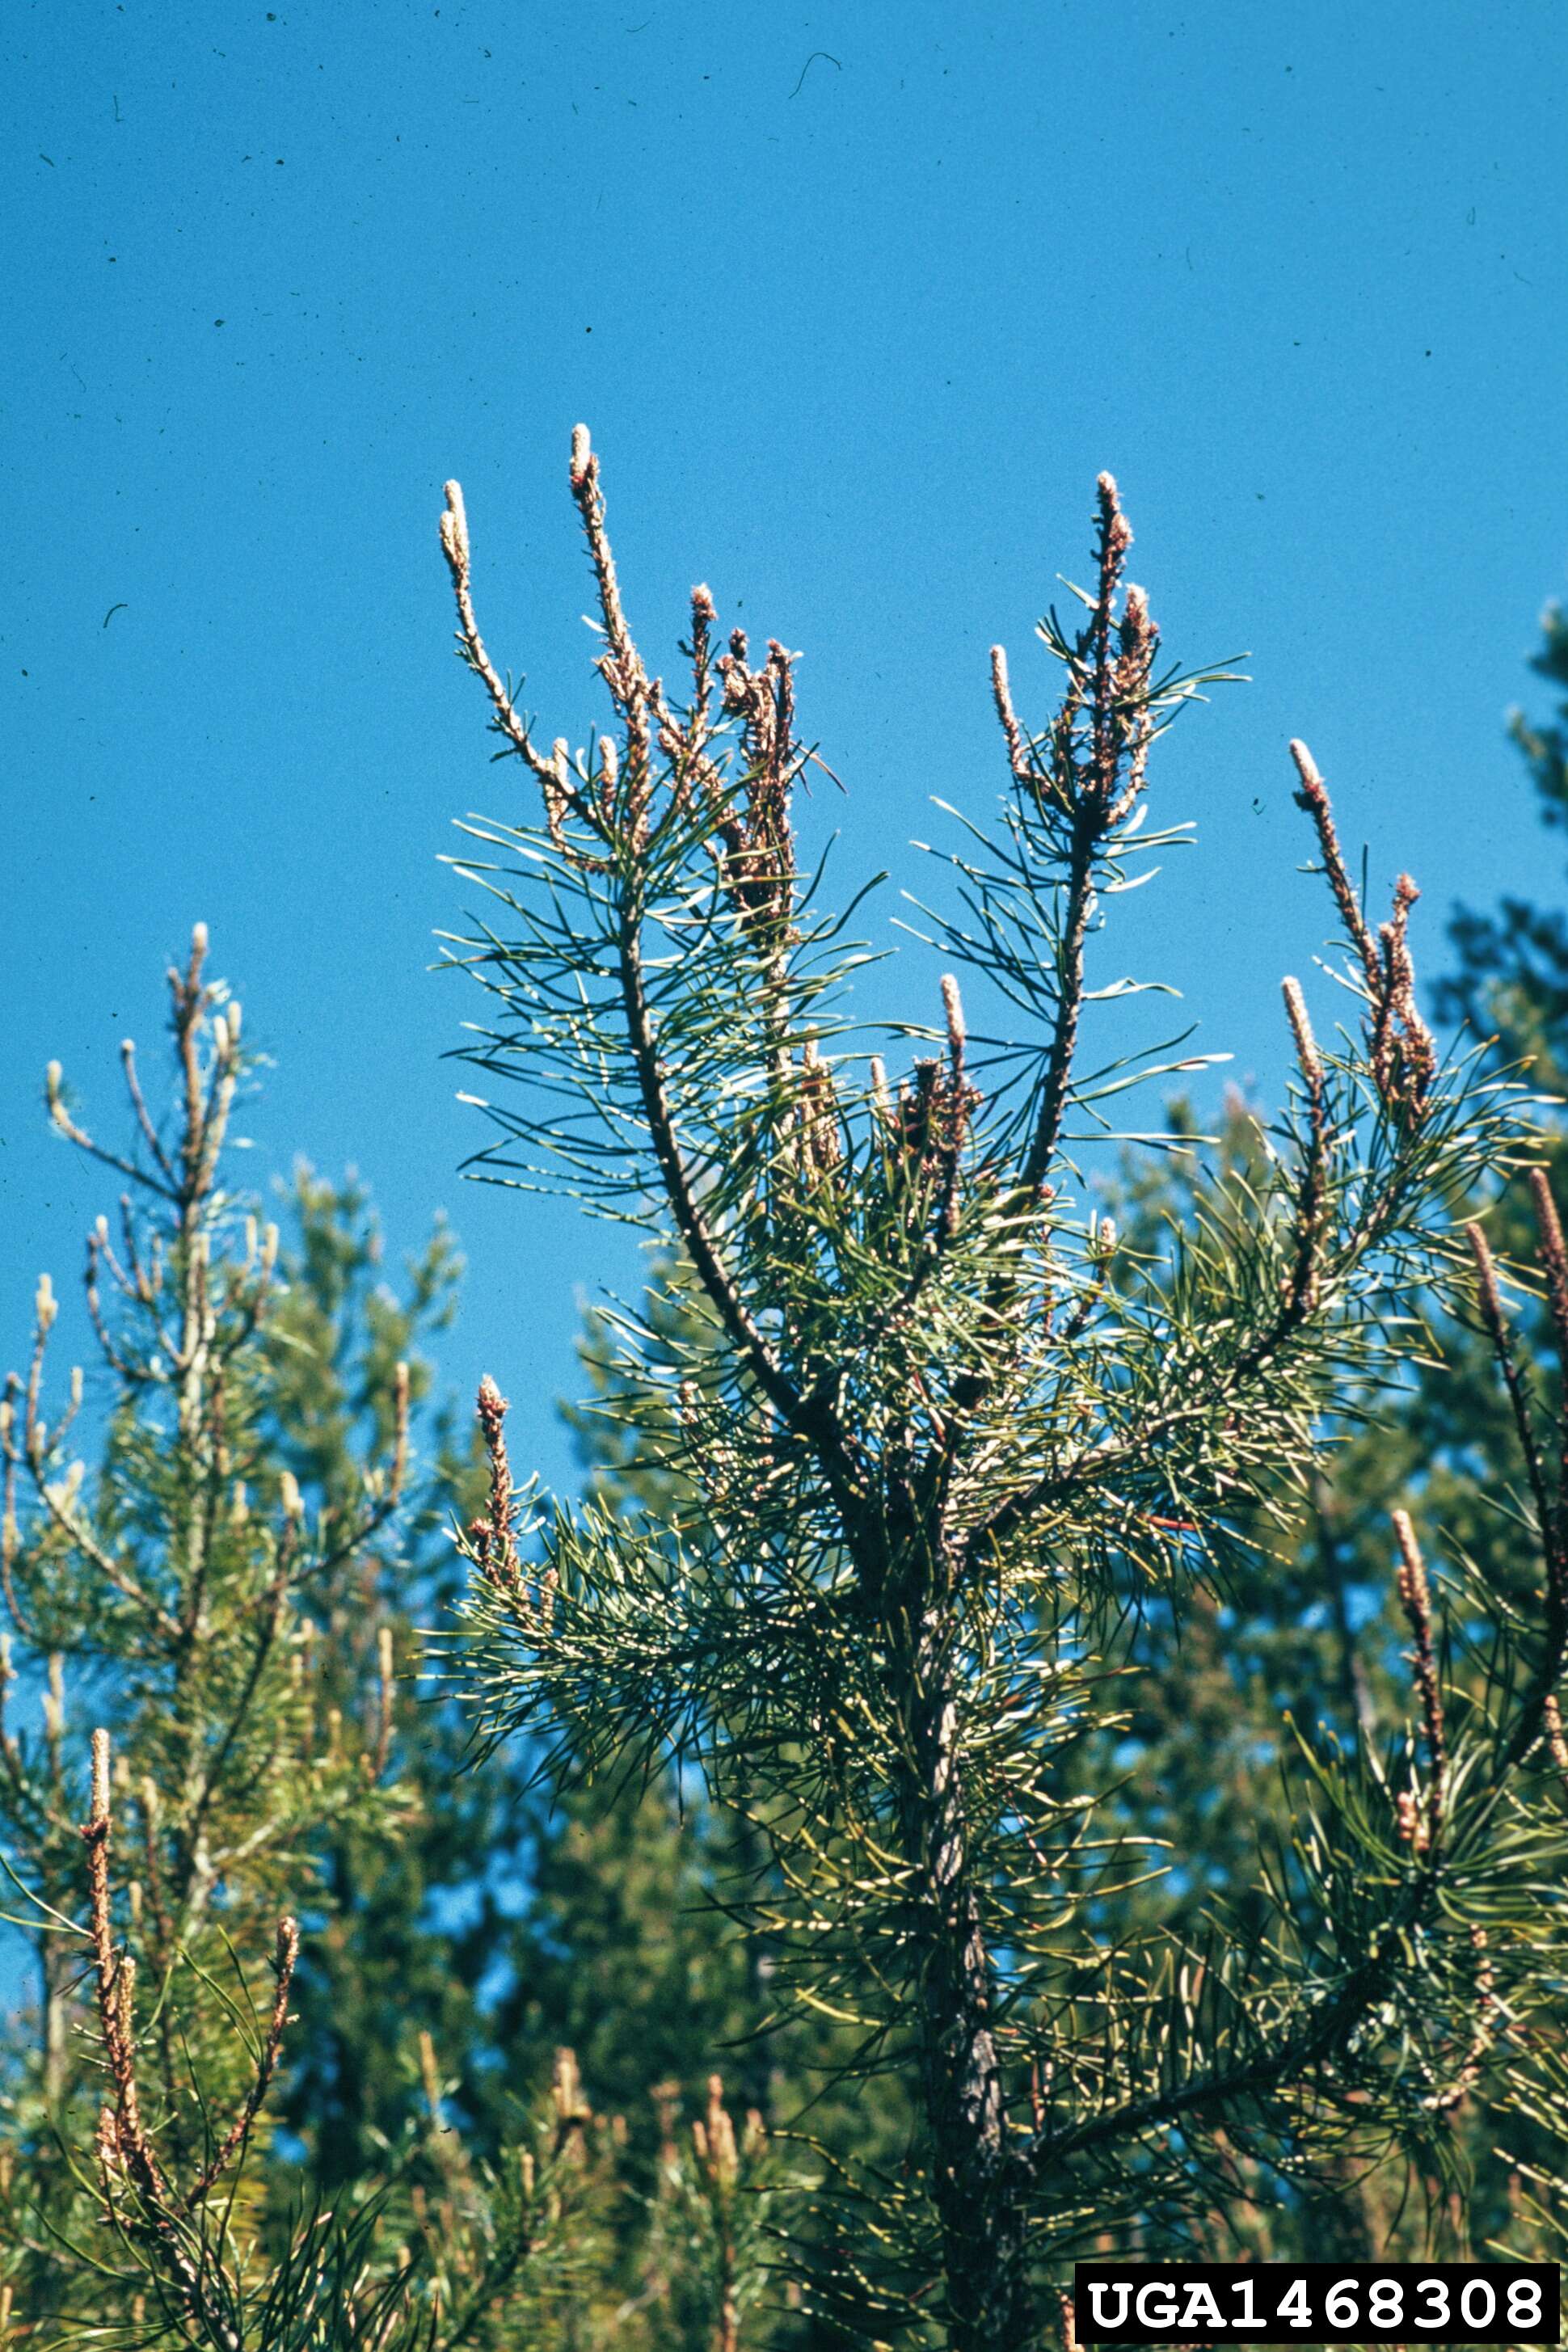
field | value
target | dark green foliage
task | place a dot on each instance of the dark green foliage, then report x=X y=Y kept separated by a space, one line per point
x=387 y=1958
x=1512 y=976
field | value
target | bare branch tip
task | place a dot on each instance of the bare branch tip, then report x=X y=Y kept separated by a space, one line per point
x=952 y=1006
x=455 y=528
x=101 y=1780
x=1301 y=1030
x=1414 y=1589
x=1305 y=766
x=1487 y=1282
x=1546 y=1208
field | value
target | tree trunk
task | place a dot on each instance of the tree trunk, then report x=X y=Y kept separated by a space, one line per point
x=975 y=2176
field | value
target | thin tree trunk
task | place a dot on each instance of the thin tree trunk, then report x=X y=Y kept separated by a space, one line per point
x=976 y=2179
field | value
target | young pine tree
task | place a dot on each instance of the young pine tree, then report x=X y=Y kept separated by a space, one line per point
x=204 y=1762
x=938 y=1444
x=164 y=1605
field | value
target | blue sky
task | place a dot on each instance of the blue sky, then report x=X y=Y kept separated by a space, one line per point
x=858 y=300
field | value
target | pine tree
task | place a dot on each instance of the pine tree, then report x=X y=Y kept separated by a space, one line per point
x=226 y=1605
x=946 y=1444
x=1512 y=976
x=166 y=1601
x=409 y=1927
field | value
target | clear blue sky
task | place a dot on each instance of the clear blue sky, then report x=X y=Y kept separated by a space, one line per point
x=857 y=299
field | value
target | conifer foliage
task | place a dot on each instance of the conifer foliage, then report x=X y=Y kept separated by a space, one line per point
x=935 y=1441
x=216 y=1805
x=1513 y=973
x=167 y=1601
x=939 y=1532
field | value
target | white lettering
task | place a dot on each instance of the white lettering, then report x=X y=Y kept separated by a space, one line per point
x=1293 y=2305
x=1202 y=2310
x=1247 y=2291
x=1158 y=2314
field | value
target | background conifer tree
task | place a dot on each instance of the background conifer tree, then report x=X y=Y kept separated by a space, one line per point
x=1512 y=976
x=168 y=1600
x=230 y=1599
